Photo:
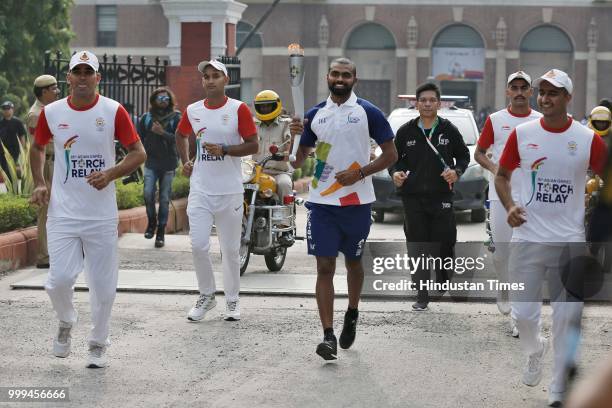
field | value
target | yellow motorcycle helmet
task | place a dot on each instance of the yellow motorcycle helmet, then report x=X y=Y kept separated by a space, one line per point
x=603 y=117
x=267 y=105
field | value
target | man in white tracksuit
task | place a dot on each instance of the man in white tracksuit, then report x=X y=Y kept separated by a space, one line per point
x=82 y=217
x=494 y=135
x=553 y=154
x=224 y=131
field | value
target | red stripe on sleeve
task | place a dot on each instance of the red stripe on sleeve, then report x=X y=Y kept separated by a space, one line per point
x=510 y=158
x=43 y=134
x=184 y=127
x=487 y=136
x=124 y=128
x=246 y=125
x=599 y=154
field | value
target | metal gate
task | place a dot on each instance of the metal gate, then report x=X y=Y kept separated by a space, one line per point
x=127 y=82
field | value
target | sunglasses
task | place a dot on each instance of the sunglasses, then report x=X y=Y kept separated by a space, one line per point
x=163 y=98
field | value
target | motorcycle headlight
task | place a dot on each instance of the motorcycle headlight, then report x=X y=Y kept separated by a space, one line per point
x=473 y=172
x=248 y=170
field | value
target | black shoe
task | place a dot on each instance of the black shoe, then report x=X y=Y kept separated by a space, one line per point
x=159 y=239
x=328 y=349
x=349 y=330
x=43 y=266
x=419 y=306
x=150 y=229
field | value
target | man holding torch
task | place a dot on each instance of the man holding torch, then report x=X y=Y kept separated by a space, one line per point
x=339 y=130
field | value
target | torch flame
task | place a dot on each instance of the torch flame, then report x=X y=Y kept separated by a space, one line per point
x=295 y=49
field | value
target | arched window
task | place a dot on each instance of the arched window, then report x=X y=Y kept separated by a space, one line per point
x=458 y=36
x=242 y=30
x=370 y=36
x=546 y=39
x=543 y=48
x=458 y=53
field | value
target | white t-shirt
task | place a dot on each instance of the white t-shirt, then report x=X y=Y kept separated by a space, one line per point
x=495 y=133
x=342 y=135
x=554 y=165
x=226 y=124
x=84 y=142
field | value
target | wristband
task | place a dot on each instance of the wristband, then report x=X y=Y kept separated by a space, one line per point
x=361 y=174
x=224 y=149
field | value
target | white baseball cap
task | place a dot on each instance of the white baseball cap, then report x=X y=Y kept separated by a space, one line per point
x=84 y=57
x=219 y=66
x=519 y=75
x=556 y=78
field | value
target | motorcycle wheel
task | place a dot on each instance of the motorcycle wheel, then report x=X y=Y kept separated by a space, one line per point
x=276 y=259
x=244 y=251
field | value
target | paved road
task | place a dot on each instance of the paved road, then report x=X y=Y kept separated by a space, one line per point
x=178 y=257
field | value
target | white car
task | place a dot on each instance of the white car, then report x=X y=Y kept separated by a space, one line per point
x=471 y=189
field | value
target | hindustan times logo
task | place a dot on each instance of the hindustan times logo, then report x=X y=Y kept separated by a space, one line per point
x=411 y=264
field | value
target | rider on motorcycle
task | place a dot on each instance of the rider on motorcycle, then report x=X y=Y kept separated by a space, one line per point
x=600 y=120
x=273 y=129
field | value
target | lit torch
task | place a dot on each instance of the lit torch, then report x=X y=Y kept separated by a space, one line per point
x=296 y=77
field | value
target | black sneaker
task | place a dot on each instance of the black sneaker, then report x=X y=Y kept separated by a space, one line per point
x=349 y=330
x=150 y=231
x=159 y=239
x=419 y=306
x=328 y=349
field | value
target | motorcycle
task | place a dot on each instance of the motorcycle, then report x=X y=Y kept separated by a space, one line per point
x=268 y=222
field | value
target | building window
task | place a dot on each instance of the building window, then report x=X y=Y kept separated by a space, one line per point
x=459 y=36
x=370 y=36
x=242 y=30
x=546 y=39
x=107 y=26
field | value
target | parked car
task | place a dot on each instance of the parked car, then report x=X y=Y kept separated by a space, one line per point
x=471 y=189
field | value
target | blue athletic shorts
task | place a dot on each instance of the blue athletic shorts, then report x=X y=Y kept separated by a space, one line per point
x=331 y=228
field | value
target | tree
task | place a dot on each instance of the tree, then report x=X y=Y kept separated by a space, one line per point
x=27 y=29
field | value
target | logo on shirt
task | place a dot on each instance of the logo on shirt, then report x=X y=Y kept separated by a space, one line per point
x=443 y=141
x=506 y=127
x=225 y=119
x=532 y=146
x=63 y=126
x=81 y=165
x=199 y=135
x=322 y=121
x=99 y=124
x=352 y=119
x=572 y=147
x=411 y=143
x=535 y=167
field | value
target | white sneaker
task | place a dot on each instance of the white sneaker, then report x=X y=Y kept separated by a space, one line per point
x=514 y=328
x=232 y=310
x=203 y=305
x=97 y=357
x=61 y=342
x=555 y=399
x=532 y=373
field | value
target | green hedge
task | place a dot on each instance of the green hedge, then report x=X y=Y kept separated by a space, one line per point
x=180 y=186
x=15 y=212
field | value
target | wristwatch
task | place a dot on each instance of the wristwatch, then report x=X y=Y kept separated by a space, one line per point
x=458 y=172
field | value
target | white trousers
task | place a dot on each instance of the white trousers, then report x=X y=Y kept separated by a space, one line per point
x=226 y=212
x=502 y=235
x=531 y=263
x=74 y=244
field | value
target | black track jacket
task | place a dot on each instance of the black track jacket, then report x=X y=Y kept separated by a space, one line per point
x=417 y=157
